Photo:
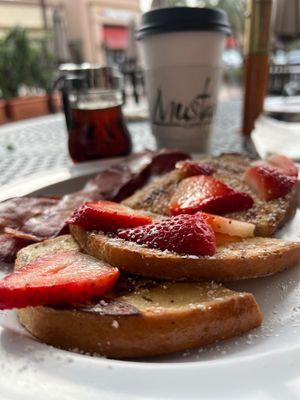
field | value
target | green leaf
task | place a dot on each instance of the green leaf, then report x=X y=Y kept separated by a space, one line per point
x=24 y=62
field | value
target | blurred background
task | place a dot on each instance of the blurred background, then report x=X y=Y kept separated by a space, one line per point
x=37 y=36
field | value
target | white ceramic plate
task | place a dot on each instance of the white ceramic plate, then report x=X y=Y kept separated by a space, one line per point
x=261 y=365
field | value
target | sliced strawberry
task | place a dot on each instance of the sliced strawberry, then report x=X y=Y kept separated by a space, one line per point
x=223 y=240
x=268 y=182
x=284 y=165
x=229 y=226
x=205 y=193
x=184 y=234
x=64 y=277
x=107 y=216
x=191 y=168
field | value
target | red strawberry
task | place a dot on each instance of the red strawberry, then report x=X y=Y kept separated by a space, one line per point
x=191 y=168
x=185 y=234
x=284 y=165
x=64 y=277
x=268 y=182
x=205 y=193
x=107 y=216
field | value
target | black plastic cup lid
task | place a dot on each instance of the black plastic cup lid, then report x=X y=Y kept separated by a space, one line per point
x=165 y=20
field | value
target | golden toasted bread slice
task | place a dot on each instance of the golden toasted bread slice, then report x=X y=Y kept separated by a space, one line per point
x=249 y=258
x=141 y=318
x=267 y=216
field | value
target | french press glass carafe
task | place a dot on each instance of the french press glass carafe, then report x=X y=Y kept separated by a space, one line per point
x=92 y=98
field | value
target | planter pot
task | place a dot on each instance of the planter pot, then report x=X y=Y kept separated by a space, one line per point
x=3 y=118
x=55 y=102
x=27 y=107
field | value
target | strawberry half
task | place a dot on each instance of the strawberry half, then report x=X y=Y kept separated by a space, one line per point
x=107 y=216
x=191 y=168
x=268 y=182
x=184 y=234
x=284 y=165
x=65 y=277
x=205 y=193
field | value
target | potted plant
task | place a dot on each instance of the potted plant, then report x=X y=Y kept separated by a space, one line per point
x=3 y=117
x=20 y=65
x=43 y=73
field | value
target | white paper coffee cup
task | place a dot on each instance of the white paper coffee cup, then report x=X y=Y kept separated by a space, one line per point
x=182 y=54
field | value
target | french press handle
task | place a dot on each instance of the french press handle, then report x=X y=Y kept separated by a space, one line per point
x=64 y=83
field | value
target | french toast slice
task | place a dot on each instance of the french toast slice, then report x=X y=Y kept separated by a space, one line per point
x=140 y=317
x=249 y=258
x=267 y=216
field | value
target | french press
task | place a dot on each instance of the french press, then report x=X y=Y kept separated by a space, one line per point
x=92 y=100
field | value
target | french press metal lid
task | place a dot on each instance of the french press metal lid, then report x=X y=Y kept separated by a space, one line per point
x=91 y=76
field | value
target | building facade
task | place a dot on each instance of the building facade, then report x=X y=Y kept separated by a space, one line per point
x=97 y=30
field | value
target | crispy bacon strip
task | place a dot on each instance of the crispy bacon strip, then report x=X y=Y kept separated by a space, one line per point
x=15 y=211
x=9 y=246
x=52 y=221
